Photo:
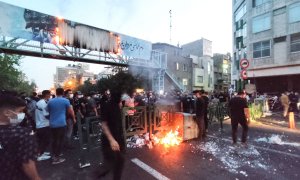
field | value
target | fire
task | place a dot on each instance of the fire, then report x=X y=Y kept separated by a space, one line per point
x=172 y=138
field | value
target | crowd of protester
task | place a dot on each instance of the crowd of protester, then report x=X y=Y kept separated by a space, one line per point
x=31 y=126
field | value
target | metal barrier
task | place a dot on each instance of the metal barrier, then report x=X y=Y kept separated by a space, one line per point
x=218 y=112
x=135 y=120
x=89 y=132
x=160 y=114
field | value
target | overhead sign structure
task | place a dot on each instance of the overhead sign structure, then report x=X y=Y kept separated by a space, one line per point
x=244 y=63
x=17 y=22
x=244 y=74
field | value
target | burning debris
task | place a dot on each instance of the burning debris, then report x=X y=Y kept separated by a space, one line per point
x=172 y=138
x=138 y=141
x=277 y=139
x=169 y=139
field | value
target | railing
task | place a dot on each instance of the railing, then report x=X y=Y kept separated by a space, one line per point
x=173 y=77
x=218 y=112
x=89 y=133
x=135 y=121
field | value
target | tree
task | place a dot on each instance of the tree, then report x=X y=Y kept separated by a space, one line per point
x=87 y=87
x=122 y=81
x=11 y=77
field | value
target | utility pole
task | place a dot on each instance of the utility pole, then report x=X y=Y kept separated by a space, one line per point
x=170 y=26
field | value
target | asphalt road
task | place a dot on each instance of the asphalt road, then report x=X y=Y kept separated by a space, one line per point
x=272 y=153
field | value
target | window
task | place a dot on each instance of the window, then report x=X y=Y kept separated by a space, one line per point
x=295 y=42
x=177 y=66
x=261 y=49
x=279 y=39
x=244 y=33
x=185 y=82
x=259 y=2
x=261 y=23
x=199 y=79
x=185 y=67
x=294 y=13
x=279 y=11
x=240 y=12
x=239 y=43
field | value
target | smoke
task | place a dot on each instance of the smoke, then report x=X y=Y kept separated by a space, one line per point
x=120 y=11
x=63 y=6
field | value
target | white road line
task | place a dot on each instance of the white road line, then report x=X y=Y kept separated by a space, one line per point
x=262 y=148
x=149 y=169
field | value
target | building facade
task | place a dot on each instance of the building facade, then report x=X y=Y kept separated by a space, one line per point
x=203 y=75
x=222 y=72
x=178 y=75
x=267 y=34
x=72 y=74
x=201 y=53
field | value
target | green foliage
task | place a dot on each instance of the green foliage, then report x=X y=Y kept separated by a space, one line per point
x=87 y=87
x=121 y=82
x=11 y=77
x=256 y=110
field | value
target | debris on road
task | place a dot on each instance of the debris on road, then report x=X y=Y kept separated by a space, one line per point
x=277 y=139
x=234 y=158
x=138 y=141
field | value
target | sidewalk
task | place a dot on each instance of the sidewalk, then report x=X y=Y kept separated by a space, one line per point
x=276 y=119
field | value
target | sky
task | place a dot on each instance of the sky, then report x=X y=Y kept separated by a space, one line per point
x=144 y=19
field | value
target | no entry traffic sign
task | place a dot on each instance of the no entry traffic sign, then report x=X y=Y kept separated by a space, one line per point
x=244 y=63
x=244 y=74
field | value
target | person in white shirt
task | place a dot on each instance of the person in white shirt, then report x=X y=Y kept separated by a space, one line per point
x=42 y=126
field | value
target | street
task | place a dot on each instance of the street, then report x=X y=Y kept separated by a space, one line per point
x=272 y=153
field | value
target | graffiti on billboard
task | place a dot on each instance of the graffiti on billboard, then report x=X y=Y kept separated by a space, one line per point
x=31 y=25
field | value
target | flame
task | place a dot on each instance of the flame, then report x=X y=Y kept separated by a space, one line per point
x=59 y=18
x=57 y=39
x=172 y=138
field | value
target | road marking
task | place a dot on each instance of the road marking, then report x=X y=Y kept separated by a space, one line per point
x=262 y=148
x=149 y=169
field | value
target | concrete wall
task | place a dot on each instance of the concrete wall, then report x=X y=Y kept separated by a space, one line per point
x=202 y=47
x=203 y=66
x=175 y=56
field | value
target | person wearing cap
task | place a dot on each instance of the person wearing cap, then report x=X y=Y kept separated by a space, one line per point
x=199 y=110
x=239 y=114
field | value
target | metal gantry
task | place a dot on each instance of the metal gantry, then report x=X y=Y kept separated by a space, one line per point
x=157 y=62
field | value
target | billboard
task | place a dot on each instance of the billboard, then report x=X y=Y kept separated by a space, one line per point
x=31 y=25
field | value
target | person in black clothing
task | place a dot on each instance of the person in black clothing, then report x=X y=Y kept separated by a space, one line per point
x=199 y=110
x=206 y=102
x=239 y=114
x=222 y=97
x=78 y=105
x=18 y=148
x=186 y=104
x=90 y=105
x=113 y=142
x=293 y=102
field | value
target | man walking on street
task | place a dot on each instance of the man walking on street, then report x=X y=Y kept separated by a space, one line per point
x=58 y=108
x=285 y=102
x=42 y=125
x=113 y=142
x=239 y=114
x=206 y=102
x=199 y=109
